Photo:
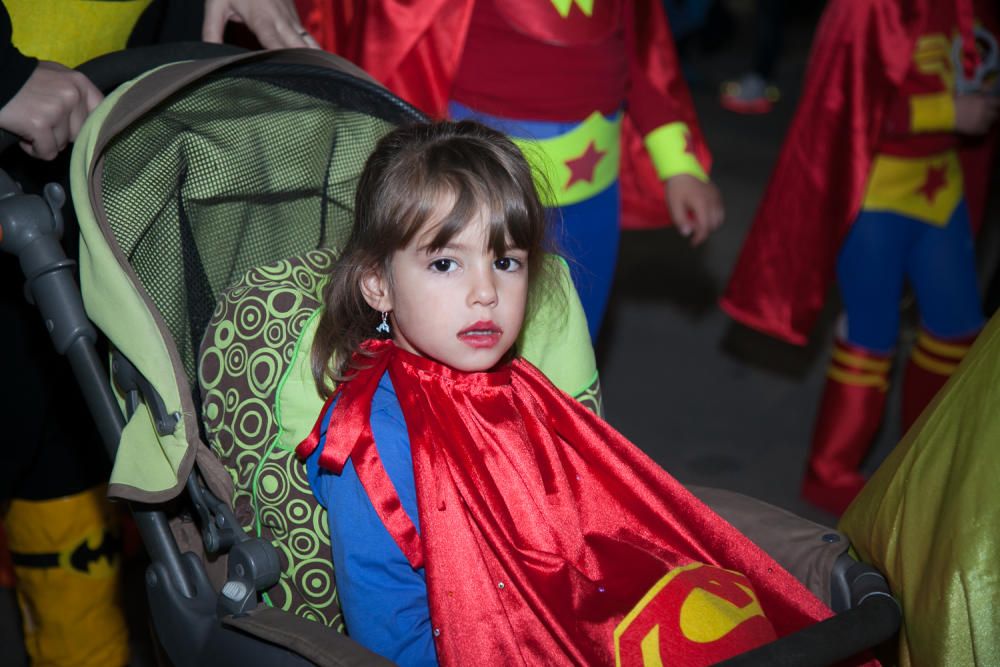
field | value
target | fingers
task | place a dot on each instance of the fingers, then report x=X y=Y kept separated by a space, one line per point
x=992 y=109
x=91 y=95
x=275 y=23
x=49 y=109
x=217 y=15
x=975 y=113
x=715 y=212
x=88 y=100
x=681 y=216
x=282 y=35
x=695 y=207
x=985 y=113
x=311 y=41
x=44 y=145
x=287 y=33
x=702 y=217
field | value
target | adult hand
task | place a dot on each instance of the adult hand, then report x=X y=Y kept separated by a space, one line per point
x=275 y=23
x=49 y=109
x=696 y=207
x=975 y=113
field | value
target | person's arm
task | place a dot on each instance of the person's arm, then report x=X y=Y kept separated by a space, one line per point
x=975 y=113
x=48 y=105
x=383 y=599
x=661 y=110
x=275 y=23
x=927 y=102
x=922 y=113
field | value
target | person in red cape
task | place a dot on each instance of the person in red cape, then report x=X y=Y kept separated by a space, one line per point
x=869 y=187
x=477 y=513
x=593 y=86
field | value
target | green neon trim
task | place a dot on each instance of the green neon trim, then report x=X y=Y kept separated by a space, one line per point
x=277 y=437
x=593 y=378
x=277 y=416
x=667 y=146
x=548 y=158
x=292 y=364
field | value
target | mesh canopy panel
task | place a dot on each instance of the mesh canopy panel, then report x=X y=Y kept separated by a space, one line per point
x=245 y=167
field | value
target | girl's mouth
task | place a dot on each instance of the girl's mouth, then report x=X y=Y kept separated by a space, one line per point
x=484 y=334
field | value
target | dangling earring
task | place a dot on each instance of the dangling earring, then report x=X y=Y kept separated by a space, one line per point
x=383 y=328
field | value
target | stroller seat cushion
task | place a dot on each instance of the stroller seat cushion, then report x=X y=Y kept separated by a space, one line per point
x=257 y=395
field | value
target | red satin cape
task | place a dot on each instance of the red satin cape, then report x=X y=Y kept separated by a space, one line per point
x=542 y=527
x=413 y=47
x=861 y=54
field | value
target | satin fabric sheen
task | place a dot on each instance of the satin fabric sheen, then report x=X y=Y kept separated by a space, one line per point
x=414 y=48
x=542 y=527
x=861 y=54
x=929 y=519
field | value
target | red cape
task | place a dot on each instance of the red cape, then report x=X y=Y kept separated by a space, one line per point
x=542 y=527
x=861 y=54
x=414 y=47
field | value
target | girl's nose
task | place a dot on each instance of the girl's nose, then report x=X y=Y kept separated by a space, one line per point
x=483 y=291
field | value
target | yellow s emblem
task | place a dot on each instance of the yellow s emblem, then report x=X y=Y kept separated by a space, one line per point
x=696 y=614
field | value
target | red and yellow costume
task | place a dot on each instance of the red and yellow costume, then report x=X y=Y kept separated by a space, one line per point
x=870 y=162
x=591 y=89
x=556 y=60
x=787 y=264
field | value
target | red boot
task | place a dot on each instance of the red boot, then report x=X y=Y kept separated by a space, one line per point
x=850 y=413
x=932 y=361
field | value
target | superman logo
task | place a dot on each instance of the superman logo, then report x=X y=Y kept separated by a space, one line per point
x=696 y=614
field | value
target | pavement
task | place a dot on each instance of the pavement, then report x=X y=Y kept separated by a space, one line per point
x=714 y=403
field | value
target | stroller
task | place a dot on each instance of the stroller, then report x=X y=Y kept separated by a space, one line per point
x=237 y=174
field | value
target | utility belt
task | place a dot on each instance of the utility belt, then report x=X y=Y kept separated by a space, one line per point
x=926 y=188
x=578 y=164
x=95 y=554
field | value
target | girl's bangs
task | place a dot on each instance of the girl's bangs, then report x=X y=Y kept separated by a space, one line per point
x=502 y=204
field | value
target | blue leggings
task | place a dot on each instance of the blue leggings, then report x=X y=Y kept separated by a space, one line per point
x=882 y=251
x=586 y=233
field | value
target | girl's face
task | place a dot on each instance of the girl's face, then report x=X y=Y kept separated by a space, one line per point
x=460 y=305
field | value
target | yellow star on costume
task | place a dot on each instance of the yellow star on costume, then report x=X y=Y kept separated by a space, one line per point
x=563 y=6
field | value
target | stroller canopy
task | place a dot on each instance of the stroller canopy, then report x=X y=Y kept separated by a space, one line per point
x=185 y=179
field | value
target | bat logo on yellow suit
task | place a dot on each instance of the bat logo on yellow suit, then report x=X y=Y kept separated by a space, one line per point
x=696 y=614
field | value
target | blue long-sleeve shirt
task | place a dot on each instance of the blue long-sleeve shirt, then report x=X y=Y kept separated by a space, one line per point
x=384 y=600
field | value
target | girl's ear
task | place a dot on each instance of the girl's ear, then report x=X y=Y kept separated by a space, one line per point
x=376 y=291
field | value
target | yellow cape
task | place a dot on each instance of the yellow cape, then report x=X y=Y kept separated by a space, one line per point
x=930 y=518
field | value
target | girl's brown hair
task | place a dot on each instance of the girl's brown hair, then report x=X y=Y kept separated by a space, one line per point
x=411 y=171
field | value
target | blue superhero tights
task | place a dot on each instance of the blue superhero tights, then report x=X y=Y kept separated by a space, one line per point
x=882 y=251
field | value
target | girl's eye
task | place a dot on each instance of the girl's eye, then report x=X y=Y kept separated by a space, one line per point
x=507 y=264
x=444 y=265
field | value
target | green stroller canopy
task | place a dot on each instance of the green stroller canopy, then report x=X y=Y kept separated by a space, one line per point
x=186 y=178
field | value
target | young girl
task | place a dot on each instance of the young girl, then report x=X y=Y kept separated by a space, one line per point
x=477 y=514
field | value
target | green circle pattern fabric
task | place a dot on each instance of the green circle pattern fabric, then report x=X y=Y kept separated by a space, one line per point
x=250 y=346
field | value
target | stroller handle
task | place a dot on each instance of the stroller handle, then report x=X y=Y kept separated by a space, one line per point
x=873 y=618
x=112 y=69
